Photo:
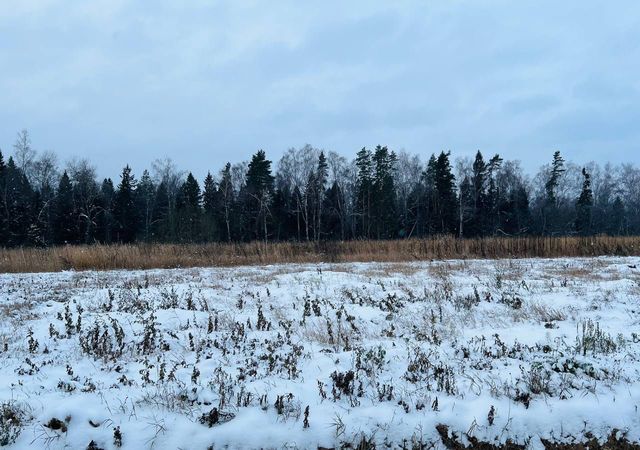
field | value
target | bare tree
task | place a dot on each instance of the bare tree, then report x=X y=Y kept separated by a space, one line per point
x=24 y=153
x=45 y=171
x=239 y=175
x=165 y=171
x=294 y=169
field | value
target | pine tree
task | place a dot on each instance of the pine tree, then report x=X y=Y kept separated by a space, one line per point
x=125 y=212
x=65 y=215
x=584 y=204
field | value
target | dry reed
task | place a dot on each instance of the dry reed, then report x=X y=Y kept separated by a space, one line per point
x=151 y=256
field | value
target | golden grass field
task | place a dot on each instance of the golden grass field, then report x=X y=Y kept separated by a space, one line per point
x=150 y=256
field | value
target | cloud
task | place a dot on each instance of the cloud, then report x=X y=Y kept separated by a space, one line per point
x=205 y=82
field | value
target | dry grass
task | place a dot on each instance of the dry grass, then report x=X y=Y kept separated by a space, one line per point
x=148 y=256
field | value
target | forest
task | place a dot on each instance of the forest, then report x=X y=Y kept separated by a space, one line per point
x=311 y=195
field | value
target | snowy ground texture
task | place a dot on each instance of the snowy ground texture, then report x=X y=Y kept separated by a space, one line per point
x=308 y=356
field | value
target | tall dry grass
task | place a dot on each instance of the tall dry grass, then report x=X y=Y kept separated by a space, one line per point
x=150 y=256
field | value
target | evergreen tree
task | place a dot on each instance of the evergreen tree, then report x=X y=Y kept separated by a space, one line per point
x=492 y=220
x=145 y=199
x=516 y=216
x=18 y=203
x=446 y=203
x=430 y=199
x=4 y=213
x=104 y=227
x=334 y=212
x=227 y=198
x=584 y=204
x=189 y=210
x=468 y=212
x=85 y=198
x=283 y=219
x=315 y=194
x=65 y=215
x=258 y=195
x=478 y=197
x=617 y=218
x=550 y=209
x=364 y=187
x=161 y=223
x=211 y=206
x=384 y=193
x=125 y=211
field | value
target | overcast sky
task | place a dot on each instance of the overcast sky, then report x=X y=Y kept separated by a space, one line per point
x=203 y=82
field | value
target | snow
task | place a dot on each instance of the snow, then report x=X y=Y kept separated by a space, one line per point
x=551 y=344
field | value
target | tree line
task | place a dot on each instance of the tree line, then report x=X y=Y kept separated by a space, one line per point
x=311 y=195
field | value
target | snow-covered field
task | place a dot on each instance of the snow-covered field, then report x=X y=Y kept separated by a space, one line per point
x=301 y=356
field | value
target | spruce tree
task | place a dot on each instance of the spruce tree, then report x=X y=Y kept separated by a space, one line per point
x=211 y=207
x=491 y=205
x=584 y=204
x=161 y=223
x=257 y=196
x=145 y=199
x=104 y=228
x=18 y=202
x=65 y=215
x=334 y=213
x=550 y=209
x=320 y=183
x=384 y=193
x=4 y=213
x=429 y=210
x=227 y=199
x=469 y=217
x=189 y=210
x=447 y=202
x=617 y=217
x=364 y=187
x=125 y=211
x=479 y=183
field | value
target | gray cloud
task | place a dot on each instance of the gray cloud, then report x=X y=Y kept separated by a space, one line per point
x=205 y=82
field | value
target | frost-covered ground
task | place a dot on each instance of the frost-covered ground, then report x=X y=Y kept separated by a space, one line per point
x=301 y=356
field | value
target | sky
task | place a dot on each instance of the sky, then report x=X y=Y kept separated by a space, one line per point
x=206 y=82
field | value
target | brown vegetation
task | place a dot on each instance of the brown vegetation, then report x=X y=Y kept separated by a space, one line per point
x=149 y=256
